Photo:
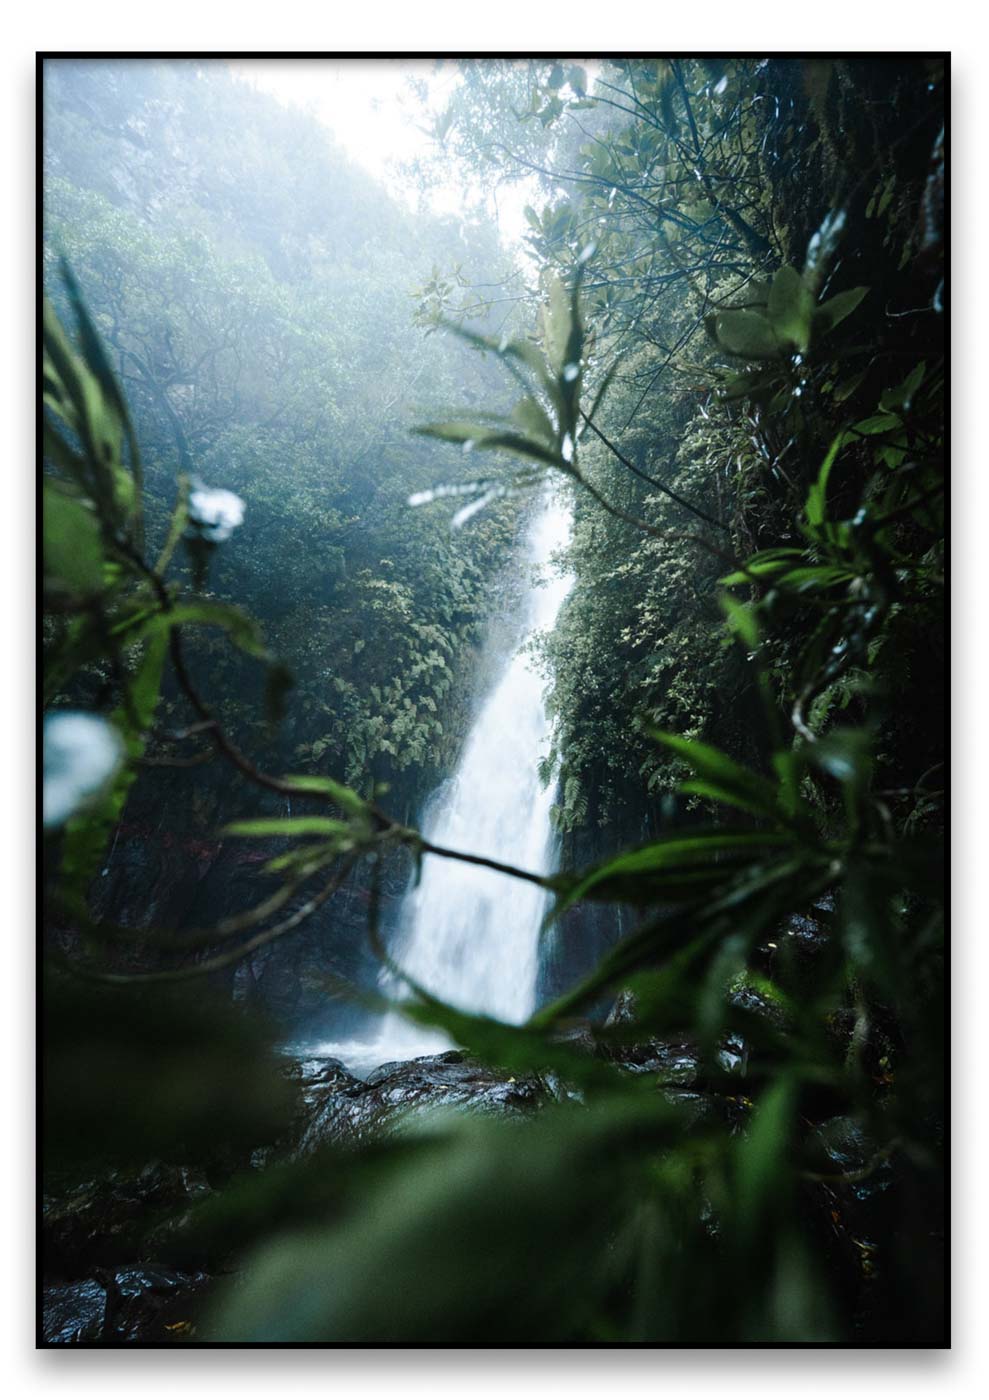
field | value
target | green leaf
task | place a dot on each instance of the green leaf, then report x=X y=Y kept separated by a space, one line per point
x=846 y=388
x=790 y=307
x=176 y=526
x=61 y=455
x=846 y=754
x=73 y=548
x=558 y=325
x=737 y=785
x=831 y=313
x=86 y=835
x=603 y=389
x=673 y=868
x=751 y=384
x=872 y=426
x=344 y=797
x=492 y=439
x=278 y=682
x=749 y=904
x=532 y=418
x=131 y=1073
x=816 y=506
x=902 y=396
x=288 y=826
x=551 y=111
x=748 y=335
x=518 y=1048
x=441 y=1239
x=763 y=1156
x=522 y=351
x=242 y=629
x=864 y=923
x=456 y=430
x=764 y=564
x=814 y=577
x=86 y=639
x=87 y=396
x=741 y=619
x=91 y=345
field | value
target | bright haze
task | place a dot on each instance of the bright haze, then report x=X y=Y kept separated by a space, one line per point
x=381 y=112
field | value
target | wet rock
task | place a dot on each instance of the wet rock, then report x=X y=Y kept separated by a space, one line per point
x=104 y=1238
x=72 y=1313
x=747 y=998
x=448 y=1080
x=319 y=1082
x=102 y=1221
x=347 y=1111
x=328 y=1093
x=318 y=1075
x=674 y=1062
x=732 y=1054
x=578 y=1036
x=623 y=1010
x=135 y=1305
x=151 y=1302
x=560 y=1091
x=846 y=1152
x=807 y=930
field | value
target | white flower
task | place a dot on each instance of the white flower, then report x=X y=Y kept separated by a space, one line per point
x=824 y=242
x=214 y=513
x=82 y=752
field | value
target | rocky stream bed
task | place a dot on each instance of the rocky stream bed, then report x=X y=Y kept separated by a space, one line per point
x=122 y=1262
x=107 y=1241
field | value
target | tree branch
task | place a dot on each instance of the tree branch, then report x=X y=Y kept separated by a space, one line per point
x=659 y=485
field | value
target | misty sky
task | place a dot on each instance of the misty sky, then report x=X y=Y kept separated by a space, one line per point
x=373 y=114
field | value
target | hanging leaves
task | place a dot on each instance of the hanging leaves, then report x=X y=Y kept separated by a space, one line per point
x=787 y=322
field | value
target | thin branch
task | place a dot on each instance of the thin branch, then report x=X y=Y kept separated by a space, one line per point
x=174 y=941
x=181 y=974
x=547 y=882
x=659 y=485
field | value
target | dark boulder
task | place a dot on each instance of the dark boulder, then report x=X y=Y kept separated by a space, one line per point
x=673 y=1062
x=103 y=1221
x=346 y=1112
x=123 y=1307
x=72 y=1313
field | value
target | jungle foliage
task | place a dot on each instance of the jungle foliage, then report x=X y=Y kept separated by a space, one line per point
x=255 y=294
x=738 y=372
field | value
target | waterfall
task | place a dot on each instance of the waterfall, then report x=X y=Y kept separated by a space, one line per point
x=468 y=934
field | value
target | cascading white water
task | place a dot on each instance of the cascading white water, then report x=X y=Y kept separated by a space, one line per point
x=469 y=934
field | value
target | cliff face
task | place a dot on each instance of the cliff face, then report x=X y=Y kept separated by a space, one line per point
x=159 y=878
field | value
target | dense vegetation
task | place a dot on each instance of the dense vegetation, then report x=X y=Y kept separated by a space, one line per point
x=726 y=343
x=256 y=294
